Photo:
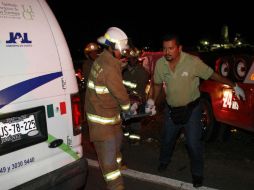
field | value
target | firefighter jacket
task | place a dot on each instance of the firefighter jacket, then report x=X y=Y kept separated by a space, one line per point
x=135 y=80
x=105 y=97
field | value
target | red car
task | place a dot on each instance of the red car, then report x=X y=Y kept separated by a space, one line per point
x=220 y=102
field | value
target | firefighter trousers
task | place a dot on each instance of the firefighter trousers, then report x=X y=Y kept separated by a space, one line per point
x=108 y=153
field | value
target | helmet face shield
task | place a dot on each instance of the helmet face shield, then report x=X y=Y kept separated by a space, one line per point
x=122 y=45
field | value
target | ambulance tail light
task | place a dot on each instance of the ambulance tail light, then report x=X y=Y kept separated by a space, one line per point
x=77 y=115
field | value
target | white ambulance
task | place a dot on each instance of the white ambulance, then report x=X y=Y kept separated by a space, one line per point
x=40 y=117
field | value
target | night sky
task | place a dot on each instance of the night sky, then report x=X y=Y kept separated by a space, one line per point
x=145 y=23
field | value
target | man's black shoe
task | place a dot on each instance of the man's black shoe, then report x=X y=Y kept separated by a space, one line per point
x=162 y=167
x=197 y=181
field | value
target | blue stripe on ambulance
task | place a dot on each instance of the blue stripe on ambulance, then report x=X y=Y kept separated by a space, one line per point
x=15 y=91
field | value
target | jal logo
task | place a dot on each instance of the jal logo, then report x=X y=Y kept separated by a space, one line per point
x=18 y=38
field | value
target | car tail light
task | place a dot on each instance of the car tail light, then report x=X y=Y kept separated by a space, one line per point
x=77 y=115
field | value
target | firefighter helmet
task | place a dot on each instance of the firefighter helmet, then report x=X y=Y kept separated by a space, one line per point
x=91 y=47
x=115 y=36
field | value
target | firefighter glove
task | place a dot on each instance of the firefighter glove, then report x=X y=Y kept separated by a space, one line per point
x=150 y=107
x=133 y=109
x=239 y=92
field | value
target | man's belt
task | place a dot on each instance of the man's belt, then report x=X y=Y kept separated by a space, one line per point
x=192 y=104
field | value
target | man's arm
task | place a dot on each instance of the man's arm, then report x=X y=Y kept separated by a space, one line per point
x=156 y=91
x=215 y=76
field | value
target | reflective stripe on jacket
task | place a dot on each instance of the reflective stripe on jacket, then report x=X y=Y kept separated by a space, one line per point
x=129 y=84
x=98 y=89
x=103 y=120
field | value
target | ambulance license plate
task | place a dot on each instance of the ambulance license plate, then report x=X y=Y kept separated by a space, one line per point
x=17 y=126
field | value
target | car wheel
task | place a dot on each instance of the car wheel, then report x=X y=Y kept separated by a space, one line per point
x=224 y=133
x=207 y=120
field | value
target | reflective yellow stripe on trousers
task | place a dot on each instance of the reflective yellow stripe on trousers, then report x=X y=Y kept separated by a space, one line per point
x=112 y=175
x=103 y=120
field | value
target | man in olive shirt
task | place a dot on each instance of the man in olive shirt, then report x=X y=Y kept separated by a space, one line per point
x=180 y=72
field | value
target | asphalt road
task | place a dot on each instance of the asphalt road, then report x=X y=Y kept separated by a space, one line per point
x=96 y=182
x=228 y=165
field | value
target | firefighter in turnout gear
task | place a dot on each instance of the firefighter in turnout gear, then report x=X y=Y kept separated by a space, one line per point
x=105 y=98
x=135 y=79
x=91 y=52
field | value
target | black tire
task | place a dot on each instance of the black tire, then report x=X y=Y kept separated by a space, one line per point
x=224 y=133
x=208 y=120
